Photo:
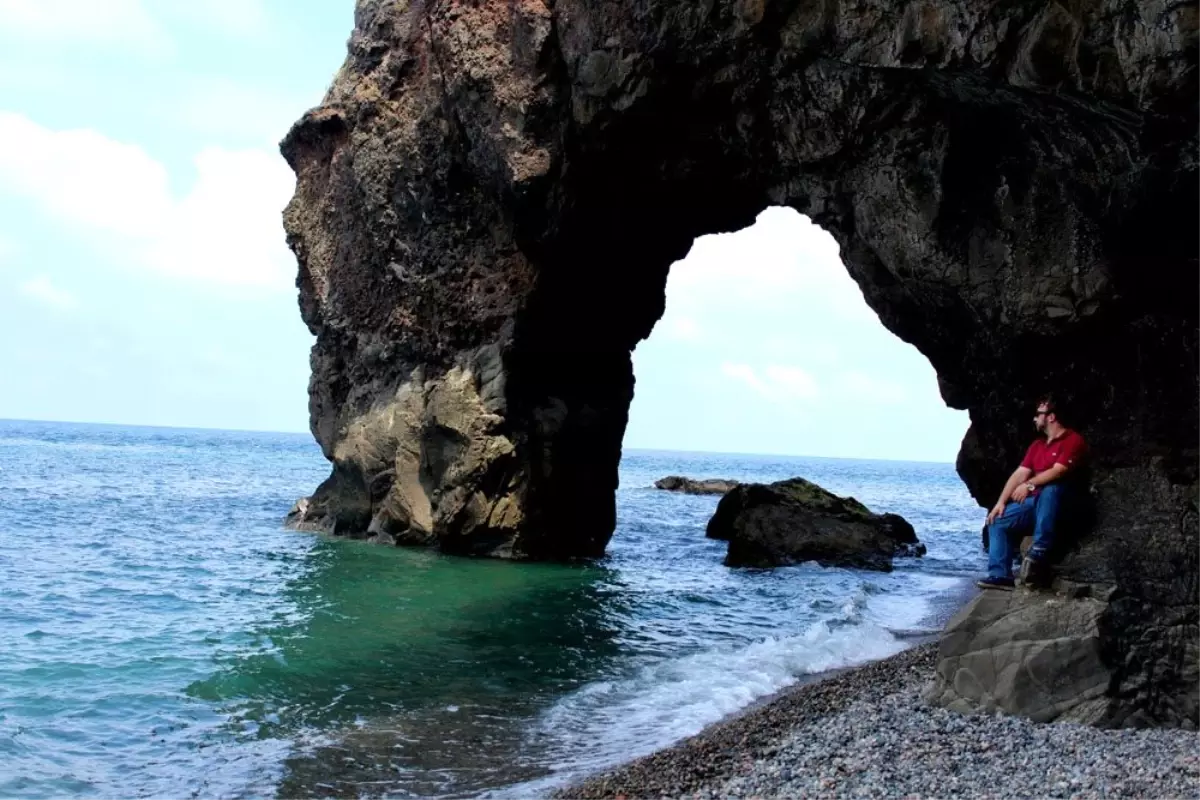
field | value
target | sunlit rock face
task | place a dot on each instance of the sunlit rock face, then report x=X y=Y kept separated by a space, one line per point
x=490 y=197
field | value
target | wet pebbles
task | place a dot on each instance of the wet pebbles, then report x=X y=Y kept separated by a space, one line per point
x=866 y=733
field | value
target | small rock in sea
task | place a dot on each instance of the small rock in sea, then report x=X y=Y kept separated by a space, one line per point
x=677 y=483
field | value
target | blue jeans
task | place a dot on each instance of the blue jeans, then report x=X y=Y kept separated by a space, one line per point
x=1039 y=513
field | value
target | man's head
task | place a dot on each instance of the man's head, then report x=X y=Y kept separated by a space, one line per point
x=1045 y=417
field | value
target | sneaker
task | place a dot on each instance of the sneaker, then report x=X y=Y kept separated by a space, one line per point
x=1004 y=584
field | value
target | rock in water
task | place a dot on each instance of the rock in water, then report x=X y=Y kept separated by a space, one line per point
x=490 y=196
x=675 y=483
x=792 y=521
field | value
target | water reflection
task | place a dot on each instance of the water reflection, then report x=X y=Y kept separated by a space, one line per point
x=406 y=672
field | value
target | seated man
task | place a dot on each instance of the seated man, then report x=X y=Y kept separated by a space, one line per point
x=1034 y=497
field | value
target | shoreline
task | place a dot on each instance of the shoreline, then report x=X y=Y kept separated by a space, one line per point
x=865 y=730
x=925 y=633
x=721 y=751
x=754 y=725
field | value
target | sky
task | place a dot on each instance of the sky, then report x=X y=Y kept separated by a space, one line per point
x=144 y=277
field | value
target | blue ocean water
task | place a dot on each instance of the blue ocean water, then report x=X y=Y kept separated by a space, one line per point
x=165 y=636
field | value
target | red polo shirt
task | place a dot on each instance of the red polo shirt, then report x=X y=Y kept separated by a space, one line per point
x=1068 y=449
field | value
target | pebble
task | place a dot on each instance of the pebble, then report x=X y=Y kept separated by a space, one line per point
x=867 y=732
x=900 y=747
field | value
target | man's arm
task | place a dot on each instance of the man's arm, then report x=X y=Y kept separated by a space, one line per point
x=1048 y=476
x=1040 y=479
x=1020 y=476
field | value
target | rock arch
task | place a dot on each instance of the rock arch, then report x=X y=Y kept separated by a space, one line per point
x=491 y=194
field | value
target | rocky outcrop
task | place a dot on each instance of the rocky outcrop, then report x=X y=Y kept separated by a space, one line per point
x=1041 y=655
x=435 y=454
x=793 y=521
x=675 y=483
x=491 y=194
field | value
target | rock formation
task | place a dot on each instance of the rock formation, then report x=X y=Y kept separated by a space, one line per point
x=491 y=194
x=1028 y=654
x=792 y=521
x=675 y=483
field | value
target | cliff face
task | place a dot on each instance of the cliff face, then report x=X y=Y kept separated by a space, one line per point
x=492 y=192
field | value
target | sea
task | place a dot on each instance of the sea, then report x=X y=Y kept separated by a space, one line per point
x=164 y=636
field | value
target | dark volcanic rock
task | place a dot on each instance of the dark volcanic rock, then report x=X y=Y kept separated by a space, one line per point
x=675 y=483
x=792 y=521
x=490 y=197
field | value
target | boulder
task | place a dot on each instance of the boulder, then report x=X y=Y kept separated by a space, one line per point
x=1033 y=654
x=792 y=521
x=676 y=483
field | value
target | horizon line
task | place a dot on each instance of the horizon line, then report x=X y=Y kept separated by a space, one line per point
x=623 y=448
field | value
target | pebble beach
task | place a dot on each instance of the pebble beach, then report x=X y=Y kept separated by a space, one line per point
x=866 y=732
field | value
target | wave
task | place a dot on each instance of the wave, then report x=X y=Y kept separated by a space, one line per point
x=609 y=722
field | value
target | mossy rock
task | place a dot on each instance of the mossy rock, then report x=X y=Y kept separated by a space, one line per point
x=793 y=521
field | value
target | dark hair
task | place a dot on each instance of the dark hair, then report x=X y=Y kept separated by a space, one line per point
x=1051 y=403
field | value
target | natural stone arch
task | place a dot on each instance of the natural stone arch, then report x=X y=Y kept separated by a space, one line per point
x=490 y=197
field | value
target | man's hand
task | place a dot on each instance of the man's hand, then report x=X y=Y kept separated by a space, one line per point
x=1020 y=493
x=996 y=511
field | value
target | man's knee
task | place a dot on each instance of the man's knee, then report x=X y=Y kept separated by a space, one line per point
x=1054 y=490
x=1002 y=529
x=996 y=537
x=996 y=527
x=1052 y=501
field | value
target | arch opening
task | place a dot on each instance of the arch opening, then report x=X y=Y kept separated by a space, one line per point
x=767 y=346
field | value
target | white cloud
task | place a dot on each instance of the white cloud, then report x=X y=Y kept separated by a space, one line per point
x=45 y=292
x=226 y=228
x=131 y=24
x=782 y=251
x=232 y=17
x=820 y=350
x=862 y=386
x=83 y=177
x=791 y=382
x=778 y=383
x=225 y=108
x=746 y=374
x=67 y=23
x=778 y=262
x=681 y=328
x=229 y=227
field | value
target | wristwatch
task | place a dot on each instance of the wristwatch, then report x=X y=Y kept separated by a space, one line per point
x=1030 y=486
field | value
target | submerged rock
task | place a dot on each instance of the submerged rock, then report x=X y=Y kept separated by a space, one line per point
x=302 y=518
x=792 y=521
x=676 y=483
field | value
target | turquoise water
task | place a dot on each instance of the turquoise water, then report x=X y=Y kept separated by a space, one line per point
x=164 y=636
